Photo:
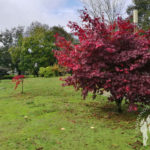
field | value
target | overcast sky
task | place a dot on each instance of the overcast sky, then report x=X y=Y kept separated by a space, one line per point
x=51 y=12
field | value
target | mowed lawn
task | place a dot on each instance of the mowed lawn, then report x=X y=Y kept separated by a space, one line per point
x=51 y=117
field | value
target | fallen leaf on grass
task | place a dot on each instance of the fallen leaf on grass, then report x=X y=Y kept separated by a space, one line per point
x=62 y=128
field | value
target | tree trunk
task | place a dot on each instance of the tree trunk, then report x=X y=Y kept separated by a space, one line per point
x=22 y=86
x=18 y=70
x=118 y=103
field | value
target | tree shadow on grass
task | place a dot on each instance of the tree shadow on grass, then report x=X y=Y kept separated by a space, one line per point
x=109 y=112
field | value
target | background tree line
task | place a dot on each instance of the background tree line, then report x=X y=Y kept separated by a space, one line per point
x=25 y=51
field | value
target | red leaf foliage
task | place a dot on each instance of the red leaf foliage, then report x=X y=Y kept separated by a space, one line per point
x=18 y=79
x=110 y=57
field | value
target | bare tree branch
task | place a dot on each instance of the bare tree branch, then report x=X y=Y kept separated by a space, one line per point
x=110 y=9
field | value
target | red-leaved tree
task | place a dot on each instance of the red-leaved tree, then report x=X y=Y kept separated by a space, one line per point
x=108 y=57
x=18 y=79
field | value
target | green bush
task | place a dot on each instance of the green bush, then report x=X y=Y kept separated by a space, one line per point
x=29 y=76
x=11 y=76
x=7 y=76
x=55 y=69
x=50 y=71
x=42 y=71
x=46 y=72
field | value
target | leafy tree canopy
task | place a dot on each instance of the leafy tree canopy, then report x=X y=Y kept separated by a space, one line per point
x=8 y=39
x=22 y=50
x=37 y=50
x=60 y=30
x=109 y=57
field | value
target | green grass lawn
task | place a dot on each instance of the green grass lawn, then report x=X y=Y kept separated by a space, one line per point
x=34 y=120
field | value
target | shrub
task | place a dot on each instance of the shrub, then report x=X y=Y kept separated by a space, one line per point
x=55 y=69
x=3 y=72
x=110 y=57
x=7 y=76
x=50 y=71
x=29 y=76
x=46 y=72
x=58 y=71
x=42 y=71
x=18 y=79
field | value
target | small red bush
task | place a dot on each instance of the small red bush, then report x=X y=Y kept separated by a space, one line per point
x=17 y=79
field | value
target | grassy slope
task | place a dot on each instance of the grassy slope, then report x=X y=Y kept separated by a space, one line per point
x=50 y=107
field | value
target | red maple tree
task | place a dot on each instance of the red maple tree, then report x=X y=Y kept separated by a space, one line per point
x=113 y=58
x=18 y=79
